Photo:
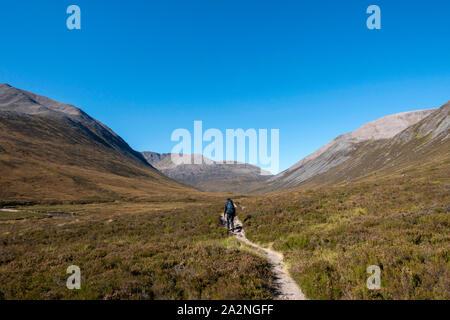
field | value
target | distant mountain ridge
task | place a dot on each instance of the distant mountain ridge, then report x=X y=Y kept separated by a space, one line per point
x=208 y=175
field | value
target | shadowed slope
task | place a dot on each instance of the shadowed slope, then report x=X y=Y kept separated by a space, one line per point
x=50 y=151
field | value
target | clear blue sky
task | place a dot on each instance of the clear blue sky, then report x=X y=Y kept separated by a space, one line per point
x=310 y=68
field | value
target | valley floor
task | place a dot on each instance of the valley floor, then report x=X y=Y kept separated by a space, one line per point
x=179 y=250
x=144 y=250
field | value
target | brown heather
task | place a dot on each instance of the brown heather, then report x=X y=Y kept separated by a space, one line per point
x=127 y=251
x=329 y=236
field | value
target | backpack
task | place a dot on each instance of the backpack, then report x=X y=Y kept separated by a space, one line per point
x=229 y=207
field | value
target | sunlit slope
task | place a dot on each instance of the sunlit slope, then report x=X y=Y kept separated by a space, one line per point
x=349 y=157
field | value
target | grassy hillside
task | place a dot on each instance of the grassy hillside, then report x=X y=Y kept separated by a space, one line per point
x=329 y=236
x=48 y=155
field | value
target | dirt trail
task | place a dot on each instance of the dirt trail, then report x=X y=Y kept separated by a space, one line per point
x=286 y=287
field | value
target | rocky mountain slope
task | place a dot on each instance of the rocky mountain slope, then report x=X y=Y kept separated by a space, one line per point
x=388 y=143
x=51 y=151
x=209 y=175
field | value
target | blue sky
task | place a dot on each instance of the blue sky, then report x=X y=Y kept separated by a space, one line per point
x=309 y=68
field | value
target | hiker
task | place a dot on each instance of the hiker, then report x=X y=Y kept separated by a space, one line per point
x=229 y=213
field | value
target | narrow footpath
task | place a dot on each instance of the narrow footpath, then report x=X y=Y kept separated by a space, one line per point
x=286 y=287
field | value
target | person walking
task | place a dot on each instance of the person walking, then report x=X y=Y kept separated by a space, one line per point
x=229 y=213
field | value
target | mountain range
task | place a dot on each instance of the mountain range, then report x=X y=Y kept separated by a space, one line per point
x=52 y=151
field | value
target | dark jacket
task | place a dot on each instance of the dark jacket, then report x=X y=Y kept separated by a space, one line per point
x=229 y=208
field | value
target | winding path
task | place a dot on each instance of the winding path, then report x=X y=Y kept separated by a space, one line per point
x=287 y=288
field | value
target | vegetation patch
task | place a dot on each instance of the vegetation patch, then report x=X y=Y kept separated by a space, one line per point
x=127 y=251
x=329 y=236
